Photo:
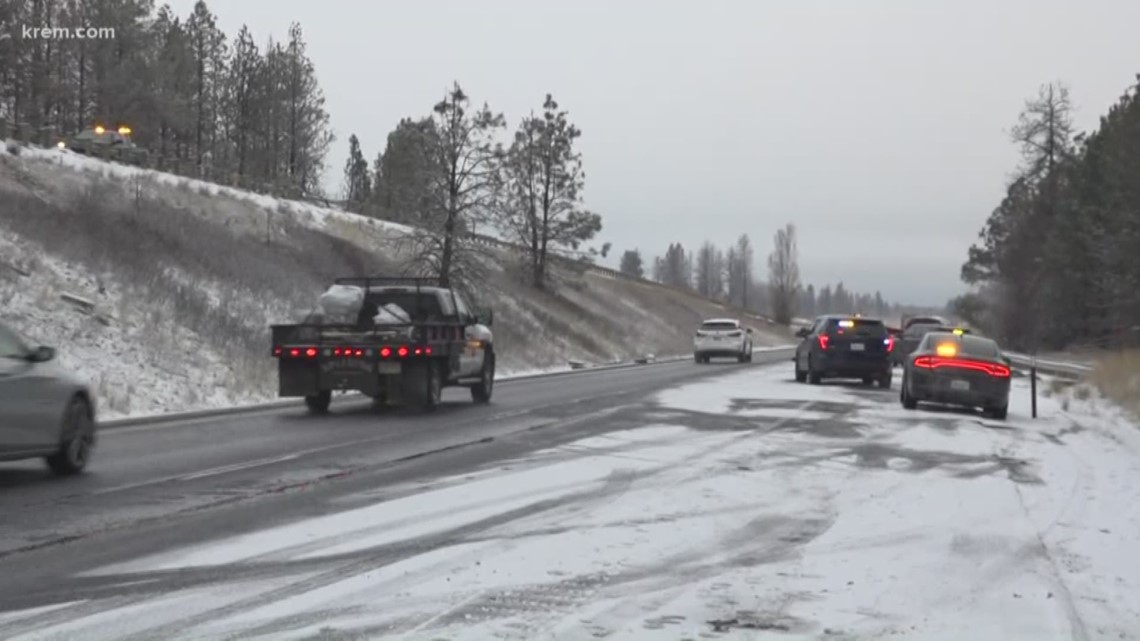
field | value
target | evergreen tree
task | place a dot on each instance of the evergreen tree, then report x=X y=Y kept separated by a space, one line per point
x=631 y=264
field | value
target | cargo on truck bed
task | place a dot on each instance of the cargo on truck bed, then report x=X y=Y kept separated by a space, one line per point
x=397 y=340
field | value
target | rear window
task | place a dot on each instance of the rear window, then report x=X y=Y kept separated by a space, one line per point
x=920 y=328
x=973 y=346
x=860 y=326
x=719 y=326
x=979 y=347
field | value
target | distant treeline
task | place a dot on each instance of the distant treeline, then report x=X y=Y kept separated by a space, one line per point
x=728 y=274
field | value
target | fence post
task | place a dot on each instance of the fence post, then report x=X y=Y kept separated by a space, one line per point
x=3 y=129
x=1033 y=386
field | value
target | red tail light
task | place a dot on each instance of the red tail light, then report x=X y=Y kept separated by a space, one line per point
x=889 y=342
x=937 y=362
x=385 y=352
x=427 y=350
x=823 y=338
x=359 y=352
x=419 y=350
x=311 y=352
x=402 y=351
x=277 y=350
x=294 y=352
x=337 y=351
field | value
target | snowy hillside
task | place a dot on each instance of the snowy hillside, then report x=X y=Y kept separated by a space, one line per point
x=185 y=277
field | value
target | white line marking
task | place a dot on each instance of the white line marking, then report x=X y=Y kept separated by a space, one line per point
x=237 y=467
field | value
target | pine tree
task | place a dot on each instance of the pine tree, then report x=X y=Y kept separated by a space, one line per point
x=208 y=51
x=357 y=179
x=631 y=264
x=542 y=206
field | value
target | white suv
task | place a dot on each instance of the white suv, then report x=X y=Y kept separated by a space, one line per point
x=722 y=337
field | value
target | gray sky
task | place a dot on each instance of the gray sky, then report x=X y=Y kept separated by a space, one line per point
x=879 y=128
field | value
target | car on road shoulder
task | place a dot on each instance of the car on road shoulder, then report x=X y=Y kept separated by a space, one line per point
x=45 y=411
x=722 y=337
x=839 y=346
x=910 y=337
x=955 y=368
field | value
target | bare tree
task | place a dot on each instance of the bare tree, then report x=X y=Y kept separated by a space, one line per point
x=784 y=275
x=463 y=189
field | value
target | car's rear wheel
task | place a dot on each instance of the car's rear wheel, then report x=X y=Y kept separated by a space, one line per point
x=77 y=439
x=868 y=380
x=481 y=391
x=319 y=403
x=697 y=358
x=1000 y=413
x=908 y=401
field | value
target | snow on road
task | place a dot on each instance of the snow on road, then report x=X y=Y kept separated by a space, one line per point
x=747 y=505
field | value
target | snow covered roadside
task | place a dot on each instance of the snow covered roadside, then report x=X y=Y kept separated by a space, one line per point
x=747 y=503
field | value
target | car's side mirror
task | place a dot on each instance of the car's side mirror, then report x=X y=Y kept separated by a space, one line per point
x=42 y=354
x=802 y=332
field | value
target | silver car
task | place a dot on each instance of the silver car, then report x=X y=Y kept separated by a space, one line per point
x=44 y=411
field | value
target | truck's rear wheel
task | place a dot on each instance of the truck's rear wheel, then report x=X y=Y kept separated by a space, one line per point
x=481 y=391
x=423 y=385
x=319 y=403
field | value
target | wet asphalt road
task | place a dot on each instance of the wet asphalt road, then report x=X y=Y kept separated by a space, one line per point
x=152 y=488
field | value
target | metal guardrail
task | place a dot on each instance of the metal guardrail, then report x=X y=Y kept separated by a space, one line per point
x=1053 y=367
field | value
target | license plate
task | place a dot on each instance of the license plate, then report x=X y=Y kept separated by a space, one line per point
x=388 y=367
x=961 y=386
x=346 y=365
x=858 y=347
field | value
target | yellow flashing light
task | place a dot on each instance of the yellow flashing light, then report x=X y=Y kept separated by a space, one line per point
x=126 y=131
x=947 y=349
x=99 y=129
x=847 y=323
x=958 y=331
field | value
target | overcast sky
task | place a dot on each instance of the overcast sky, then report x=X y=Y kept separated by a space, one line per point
x=879 y=128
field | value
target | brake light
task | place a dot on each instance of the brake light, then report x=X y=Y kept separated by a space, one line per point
x=427 y=350
x=889 y=342
x=311 y=352
x=359 y=352
x=936 y=362
x=402 y=351
x=294 y=352
x=277 y=350
x=419 y=350
x=385 y=352
x=337 y=351
x=823 y=338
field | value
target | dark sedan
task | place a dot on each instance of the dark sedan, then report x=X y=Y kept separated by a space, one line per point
x=956 y=368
